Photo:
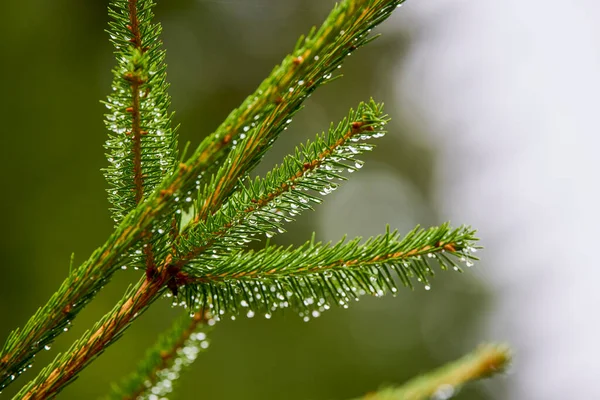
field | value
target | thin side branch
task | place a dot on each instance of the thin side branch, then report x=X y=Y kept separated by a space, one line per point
x=66 y=366
x=248 y=210
x=163 y=363
x=487 y=360
x=313 y=56
x=168 y=275
x=314 y=277
x=313 y=63
x=136 y=131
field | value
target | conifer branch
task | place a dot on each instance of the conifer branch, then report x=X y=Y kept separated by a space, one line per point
x=270 y=109
x=142 y=144
x=139 y=105
x=314 y=276
x=444 y=383
x=360 y=125
x=348 y=281
x=317 y=56
x=175 y=349
x=262 y=205
x=65 y=367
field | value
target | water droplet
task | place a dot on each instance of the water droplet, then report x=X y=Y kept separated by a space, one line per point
x=443 y=392
x=268 y=316
x=46 y=347
x=250 y=314
x=427 y=287
x=124 y=267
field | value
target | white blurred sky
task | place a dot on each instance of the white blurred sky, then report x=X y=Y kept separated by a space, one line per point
x=510 y=92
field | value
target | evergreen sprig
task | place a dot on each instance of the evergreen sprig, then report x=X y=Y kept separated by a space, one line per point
x=64 y=368
x=142 y=145
x=263 y=205
x=313 y=276
x=343 y=31
x=169 y=275
x=445 y=382
x=174 y=351
x=143 y=150
x=202 y=259
x=268 y=111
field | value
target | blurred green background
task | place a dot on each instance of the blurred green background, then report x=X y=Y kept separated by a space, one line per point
x=56 y=62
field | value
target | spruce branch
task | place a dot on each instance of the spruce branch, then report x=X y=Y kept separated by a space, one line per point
x=313 y=276
x=175 y=350
x=261 y=206
x=316 y=56
x=360 y=125
x=142 y=145
x=66 y=366
x=143 y=149
x=444 y=383
x=300 y=292
x=263 y=115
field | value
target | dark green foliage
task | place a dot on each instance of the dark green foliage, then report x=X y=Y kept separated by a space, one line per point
x=251 y=129
x=142 y=143
x=139 y=87
x=314 y=276
x=263 y=205
x=174 y=350
x=188 y=222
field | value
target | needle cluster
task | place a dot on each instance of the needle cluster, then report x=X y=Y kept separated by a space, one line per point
x=188 y=222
